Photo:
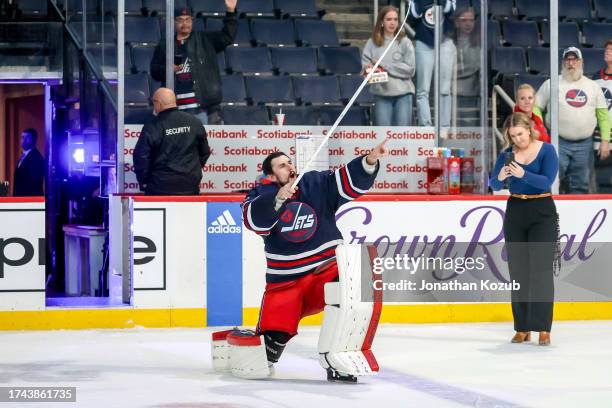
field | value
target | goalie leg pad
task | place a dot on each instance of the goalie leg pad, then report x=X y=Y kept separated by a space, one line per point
x=247 y=355
x=220 y=351
x=349 y=324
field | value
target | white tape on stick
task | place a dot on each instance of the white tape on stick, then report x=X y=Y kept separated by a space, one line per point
x=352 y=100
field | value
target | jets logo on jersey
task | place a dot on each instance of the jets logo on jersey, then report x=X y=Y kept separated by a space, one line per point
x=576 y=98
x=608 y=94
x=298 y=222
x=428 y=18
x=224 y=224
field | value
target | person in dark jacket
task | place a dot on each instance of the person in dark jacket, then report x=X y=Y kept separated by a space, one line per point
x=197 y=81
x=171 y=150
x=30 y=172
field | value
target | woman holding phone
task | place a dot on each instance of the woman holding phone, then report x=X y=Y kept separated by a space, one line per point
x=529 y=167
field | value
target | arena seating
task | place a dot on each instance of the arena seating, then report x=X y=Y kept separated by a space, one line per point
x=278 y=38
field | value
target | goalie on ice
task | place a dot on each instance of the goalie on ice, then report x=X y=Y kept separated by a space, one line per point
x=309 y=270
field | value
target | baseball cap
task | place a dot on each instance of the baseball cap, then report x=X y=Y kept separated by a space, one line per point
x=182 y=11
x=572 y=50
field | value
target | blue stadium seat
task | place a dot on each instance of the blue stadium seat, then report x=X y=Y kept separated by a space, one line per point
x=603 y=9
x=539 y=60
x=356 y=116
x=500 y=9
x=137 y=115
x=593 y=60
x=296 y=60
x=297 y=8
x=299 y=115
x=273 y=32
x=208 y=7
x=534 y=80
x=508 y=60
x=596 y=34
x=243 y=34
x=521 y=33
x=137 y=89
x=245 y=115
x=538 y=10
x=340 y=60
x=316 y=32
x=256 y=8
x=33 y=9
x=233 y=89
x=568 y=34
x=248 y=60
x=493 y=33
x=349 y=85
x=133 y=7
x=270 y=89
x=143 y=30
x=105 y=56
x=142 y=58
x=221 y=63
x=154 y=7
x=319 y=90
x=153 y=85
x=575 y=10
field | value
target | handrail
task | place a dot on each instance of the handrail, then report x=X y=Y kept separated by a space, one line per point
x=498 y=90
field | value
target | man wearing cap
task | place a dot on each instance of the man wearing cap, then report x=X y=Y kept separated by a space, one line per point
x=197 y=81
x=582 y=107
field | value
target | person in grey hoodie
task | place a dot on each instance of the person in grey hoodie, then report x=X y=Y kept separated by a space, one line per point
x=393 y=99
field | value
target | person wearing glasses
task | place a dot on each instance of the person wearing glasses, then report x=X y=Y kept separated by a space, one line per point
x=582 y=107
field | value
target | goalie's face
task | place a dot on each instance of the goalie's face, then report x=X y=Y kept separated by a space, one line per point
x=283 y=170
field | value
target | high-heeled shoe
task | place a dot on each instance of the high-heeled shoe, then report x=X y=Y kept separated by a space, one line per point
x=521 y=337
x=544 y=339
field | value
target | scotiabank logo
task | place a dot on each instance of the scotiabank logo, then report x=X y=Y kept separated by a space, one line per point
x=406 y=168
x=248 y=151
x=224 y=224
x=403 y=151
x=16 y=251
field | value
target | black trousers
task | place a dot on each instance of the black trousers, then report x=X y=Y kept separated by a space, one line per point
x=530 y=230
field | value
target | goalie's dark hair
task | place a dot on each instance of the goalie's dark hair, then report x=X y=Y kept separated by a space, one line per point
x=266 y=166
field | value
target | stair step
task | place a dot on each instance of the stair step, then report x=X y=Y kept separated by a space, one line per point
x=346 y=18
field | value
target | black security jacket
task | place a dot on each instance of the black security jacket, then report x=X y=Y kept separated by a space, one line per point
x=170 y=154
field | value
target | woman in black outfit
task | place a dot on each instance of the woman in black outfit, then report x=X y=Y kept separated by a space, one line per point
x=529 y=167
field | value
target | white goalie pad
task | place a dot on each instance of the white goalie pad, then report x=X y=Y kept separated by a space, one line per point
x=220 y=351
x=349 y=325
x=240 y=352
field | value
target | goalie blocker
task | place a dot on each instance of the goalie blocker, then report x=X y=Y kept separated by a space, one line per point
x=347 y=332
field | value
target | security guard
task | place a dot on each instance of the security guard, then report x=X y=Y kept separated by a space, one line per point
x=171 y=150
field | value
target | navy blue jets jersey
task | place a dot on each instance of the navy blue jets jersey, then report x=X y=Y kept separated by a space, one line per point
x=303 y=234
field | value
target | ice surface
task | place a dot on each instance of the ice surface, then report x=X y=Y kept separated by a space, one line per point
x=428 y=365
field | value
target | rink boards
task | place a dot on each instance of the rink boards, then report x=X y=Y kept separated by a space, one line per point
x=196 y=265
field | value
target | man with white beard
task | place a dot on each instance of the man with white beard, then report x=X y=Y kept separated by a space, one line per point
x=582 y=106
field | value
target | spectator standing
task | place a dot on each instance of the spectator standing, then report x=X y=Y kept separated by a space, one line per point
x=423 y=14
x=29 y=175
x=604 y=79
x=171 y=150
x=582 y=106
x=467 y=41
x=197 y=81
x=393 y=99
x=525 y=103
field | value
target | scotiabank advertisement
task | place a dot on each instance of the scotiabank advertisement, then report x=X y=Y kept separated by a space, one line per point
x=238 y=151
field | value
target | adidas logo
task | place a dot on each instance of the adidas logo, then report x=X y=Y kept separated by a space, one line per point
x=224 y=224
